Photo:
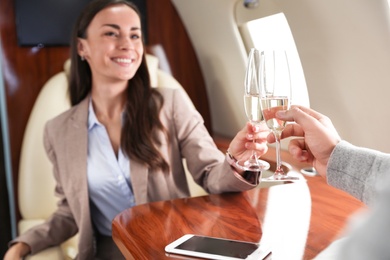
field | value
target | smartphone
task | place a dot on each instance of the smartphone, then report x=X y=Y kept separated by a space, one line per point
x=216 y=248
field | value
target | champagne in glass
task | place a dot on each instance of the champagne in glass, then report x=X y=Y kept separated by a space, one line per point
x=275 y=95
x=253 y=109
x=275 y=104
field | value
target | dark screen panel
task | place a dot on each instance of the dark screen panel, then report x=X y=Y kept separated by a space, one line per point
x=46 y=22
x=50 y=22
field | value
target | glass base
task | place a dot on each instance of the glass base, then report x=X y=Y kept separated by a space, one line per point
x=280 y=177
x=253 y=165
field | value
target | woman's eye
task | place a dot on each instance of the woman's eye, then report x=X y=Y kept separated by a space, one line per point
x=111 y=34
x=135 y=36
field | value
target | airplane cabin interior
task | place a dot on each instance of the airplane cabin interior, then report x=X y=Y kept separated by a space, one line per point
x=339 y=57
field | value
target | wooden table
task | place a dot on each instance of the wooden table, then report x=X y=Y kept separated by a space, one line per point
x=299 y=219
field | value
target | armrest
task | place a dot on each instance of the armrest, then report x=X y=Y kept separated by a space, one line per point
x=48 y=254
x=67 y=250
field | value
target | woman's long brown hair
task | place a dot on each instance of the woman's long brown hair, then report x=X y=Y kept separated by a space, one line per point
x=141 y=123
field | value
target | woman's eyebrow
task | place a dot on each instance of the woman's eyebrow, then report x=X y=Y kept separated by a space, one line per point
x=115 y=26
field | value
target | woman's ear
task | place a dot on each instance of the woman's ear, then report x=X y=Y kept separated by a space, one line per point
x=81 y=48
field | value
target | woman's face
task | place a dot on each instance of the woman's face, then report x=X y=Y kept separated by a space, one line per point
x=113 y=46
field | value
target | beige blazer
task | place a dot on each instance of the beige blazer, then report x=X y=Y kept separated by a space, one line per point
x=66 y=138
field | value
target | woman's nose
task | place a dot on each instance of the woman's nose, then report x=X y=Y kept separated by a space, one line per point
x=126 y=43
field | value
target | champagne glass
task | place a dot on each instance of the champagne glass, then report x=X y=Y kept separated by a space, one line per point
x=253 y=108
x=275 y=95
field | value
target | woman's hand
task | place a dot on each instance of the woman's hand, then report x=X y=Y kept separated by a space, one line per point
x=242 y=145
x=17 y=251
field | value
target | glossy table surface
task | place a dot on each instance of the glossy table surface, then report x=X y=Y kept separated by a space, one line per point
x=298 y=219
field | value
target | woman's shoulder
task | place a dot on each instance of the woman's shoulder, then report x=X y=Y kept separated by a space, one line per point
x=77 y=114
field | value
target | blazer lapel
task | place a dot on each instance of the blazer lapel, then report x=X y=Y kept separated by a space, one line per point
x=77 y=138
x=76 y=155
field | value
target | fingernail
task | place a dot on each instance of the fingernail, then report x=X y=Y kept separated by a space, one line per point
x=281 y=113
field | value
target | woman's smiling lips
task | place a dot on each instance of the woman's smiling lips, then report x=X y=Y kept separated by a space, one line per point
x=123 y=61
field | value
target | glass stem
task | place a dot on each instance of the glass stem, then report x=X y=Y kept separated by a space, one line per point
x=279 y=169
x=254 y=155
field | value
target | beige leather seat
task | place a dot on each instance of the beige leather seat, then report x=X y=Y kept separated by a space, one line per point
x=36 y=182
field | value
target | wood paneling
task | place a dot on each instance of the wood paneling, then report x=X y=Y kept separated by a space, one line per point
x=26 y=69
x=165 y=28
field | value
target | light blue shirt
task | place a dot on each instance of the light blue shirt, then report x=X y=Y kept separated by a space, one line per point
x=109 y=185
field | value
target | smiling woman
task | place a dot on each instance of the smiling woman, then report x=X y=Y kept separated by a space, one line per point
x=112 y=46
x=108 y=70
x=26 y=69
x=123 y=141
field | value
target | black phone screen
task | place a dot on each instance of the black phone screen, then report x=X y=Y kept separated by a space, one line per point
x=210 y=245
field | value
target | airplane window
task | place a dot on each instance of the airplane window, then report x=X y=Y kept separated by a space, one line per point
x=274 y=32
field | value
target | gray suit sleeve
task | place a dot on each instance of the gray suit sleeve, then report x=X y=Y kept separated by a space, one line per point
x=357 y=170
x=365 y=174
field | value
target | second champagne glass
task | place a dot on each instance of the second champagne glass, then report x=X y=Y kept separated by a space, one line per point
x=253 y=108
x=275 y=95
